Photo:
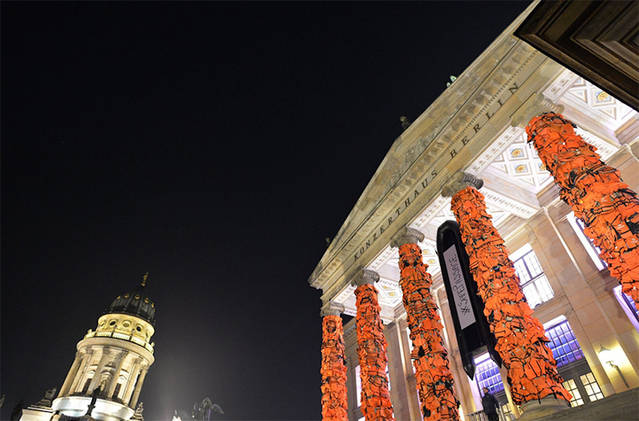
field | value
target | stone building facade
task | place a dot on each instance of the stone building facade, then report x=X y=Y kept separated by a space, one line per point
x=476 y=127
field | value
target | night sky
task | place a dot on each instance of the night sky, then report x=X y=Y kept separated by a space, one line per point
x=215 y=145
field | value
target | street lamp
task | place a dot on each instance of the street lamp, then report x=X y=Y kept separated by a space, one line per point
x=608 y=356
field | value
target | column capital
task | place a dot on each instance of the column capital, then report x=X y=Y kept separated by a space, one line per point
x=365 y=276
x=535 y=104
x=459 y=181
x=407 y=235
x=332 y=309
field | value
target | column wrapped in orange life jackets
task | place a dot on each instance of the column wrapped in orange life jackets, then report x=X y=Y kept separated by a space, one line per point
x=430 y=358
x=371 y=350
x=521 y=340
x=596 y=194
x=333 y=370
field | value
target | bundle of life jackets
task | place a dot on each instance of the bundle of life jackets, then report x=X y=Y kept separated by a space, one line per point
x=521 y=340
x=595 y=192
x=333 y=370
x=430 y=358
x=371 y=350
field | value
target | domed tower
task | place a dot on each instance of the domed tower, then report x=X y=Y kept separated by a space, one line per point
x=110 y=365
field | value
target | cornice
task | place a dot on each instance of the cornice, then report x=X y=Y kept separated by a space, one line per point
x=456 y=128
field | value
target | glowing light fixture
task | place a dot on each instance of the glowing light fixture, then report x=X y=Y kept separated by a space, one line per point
x=608 y=356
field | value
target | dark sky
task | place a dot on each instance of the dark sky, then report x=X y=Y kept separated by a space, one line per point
x=214 y=145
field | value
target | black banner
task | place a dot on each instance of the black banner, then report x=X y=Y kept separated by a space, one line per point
x=467 y=308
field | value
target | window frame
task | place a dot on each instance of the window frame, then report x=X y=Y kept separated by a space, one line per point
x=590 y=383
x=554 y=324
x=484 y=358
x=577 y=399
x=519 y=259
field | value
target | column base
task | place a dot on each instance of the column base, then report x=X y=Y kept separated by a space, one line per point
x=534 y=410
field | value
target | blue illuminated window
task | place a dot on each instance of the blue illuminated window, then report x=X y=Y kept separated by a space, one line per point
x=487 y=374
x=563 y=344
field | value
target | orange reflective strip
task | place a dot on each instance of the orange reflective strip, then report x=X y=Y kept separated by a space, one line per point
x=521 y=342
x=596 y=194
x=333 y=370
x=432 y=372
x=371 y=350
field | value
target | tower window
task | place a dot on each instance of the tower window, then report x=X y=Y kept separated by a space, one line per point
x=87 y=383
x=116 y=392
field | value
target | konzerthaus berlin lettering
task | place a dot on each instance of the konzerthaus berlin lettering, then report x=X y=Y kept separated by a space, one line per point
x=511 y=135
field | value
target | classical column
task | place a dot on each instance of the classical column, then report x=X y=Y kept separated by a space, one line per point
x=86 y=360
x=463 y=388
x=402 y=390
x=113 y=381
x=521 y=340
x=95 y=382
x=71 y=375
x=333 y=369
x=138 y=387
x=371 y=350
x=596 y=194
x=131 y=381
x=430 y=358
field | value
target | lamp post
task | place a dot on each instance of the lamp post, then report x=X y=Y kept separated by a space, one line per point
x=608 y=356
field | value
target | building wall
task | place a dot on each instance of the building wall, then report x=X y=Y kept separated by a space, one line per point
x=583 y=294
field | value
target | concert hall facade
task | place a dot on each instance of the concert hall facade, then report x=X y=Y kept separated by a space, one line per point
x=473 y=138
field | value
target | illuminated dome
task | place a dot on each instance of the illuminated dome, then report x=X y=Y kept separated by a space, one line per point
x=105 y=380
x=136 y=303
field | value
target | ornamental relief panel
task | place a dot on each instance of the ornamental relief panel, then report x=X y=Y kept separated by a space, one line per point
x=586 y=95
x=571 y=90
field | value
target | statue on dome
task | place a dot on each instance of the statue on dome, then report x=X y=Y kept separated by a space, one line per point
x=138 y=416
